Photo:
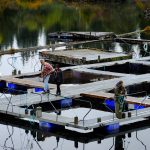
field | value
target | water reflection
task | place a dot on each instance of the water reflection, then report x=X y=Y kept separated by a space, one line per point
x=9 y=137
x=118 y=48
x=42 y=38
x=119 y=142
x=25 y=27
x=25 y=62
x=136 y=52
x=15 y=43
x=30 y=138
x=28 y=24
x=141 y=141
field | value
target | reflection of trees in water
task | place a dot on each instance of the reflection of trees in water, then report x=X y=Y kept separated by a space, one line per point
x=27 y=55
x=7 y=4
x=26 y=140
x=8 y=29
x=26 y=23
x=143 y=4
x=27 y=39
x=34 y=4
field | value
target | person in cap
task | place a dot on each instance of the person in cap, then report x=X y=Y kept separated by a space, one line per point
x=120 y=94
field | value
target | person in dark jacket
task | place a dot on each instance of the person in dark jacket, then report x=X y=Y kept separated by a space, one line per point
x=58 y=78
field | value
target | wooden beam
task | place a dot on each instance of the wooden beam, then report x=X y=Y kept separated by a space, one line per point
x=102 y=96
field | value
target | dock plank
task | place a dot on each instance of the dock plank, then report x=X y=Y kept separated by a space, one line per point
x=82 y=56
x=129 y=99
x=25 y=82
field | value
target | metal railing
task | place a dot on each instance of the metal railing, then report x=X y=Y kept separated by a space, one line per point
x=70 y=106
x=145 y=98
x=109 y=109
x=88 y=111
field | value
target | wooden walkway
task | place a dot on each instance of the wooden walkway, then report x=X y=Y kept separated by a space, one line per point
x=25 y=82
x=93 y=89
x=75 y=91
x=130 y=100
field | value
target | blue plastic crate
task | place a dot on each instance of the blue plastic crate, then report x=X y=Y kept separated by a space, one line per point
x=136 y=107
x=38 y=89
x=12 y=86
x=110 y=103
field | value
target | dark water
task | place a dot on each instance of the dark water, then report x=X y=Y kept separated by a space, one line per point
x=26 y=139
x=25 y=24
x=131 y=68
x=76 y=77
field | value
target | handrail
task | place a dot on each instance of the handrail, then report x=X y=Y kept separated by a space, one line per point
x=137 y=93
x=88 y=111
x=9 y=102
x=109 y=108
x=145 y=97
x=77 y=100
x=141 y=103
x=12 y=62
x=22 y=92
x=57 y=111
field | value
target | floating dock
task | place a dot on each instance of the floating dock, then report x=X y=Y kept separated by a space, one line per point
x=87 y=124
x=129 y=99
x=82 y=56
x=80 y=35
x=98 y=90
x=97 y=135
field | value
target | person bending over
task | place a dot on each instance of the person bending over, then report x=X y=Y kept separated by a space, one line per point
x=47 y=70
